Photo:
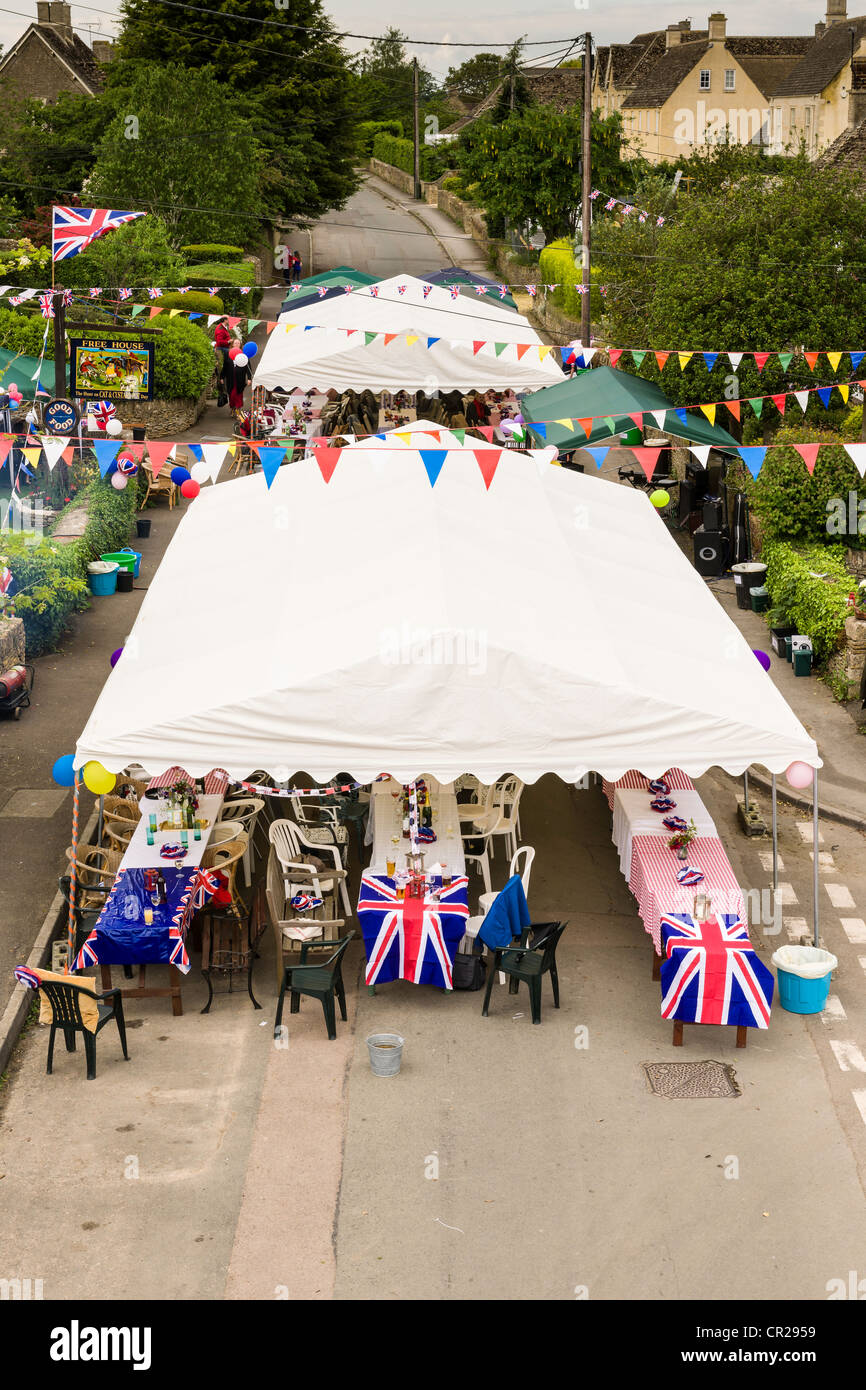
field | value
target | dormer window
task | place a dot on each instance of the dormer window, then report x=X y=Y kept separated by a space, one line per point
x=730 y=79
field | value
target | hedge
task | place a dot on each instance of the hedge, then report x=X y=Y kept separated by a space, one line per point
x=793 y=506
x=50 y=579
x=194 y=301
x=228 y=277
x=816 y=606
x=401 y=154
x=212 y=251
x=21 y=333
x=367 y=131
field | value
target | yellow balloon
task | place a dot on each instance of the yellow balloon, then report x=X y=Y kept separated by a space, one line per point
x=97 y=779
x=660 y=498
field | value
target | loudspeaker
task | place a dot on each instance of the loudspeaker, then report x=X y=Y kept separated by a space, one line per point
x=714 y=513
x=687 y=499
x=710 y=552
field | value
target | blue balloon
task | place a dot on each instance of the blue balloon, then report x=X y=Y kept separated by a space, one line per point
x=180 y=475
x=63 y=771
x=251 y=348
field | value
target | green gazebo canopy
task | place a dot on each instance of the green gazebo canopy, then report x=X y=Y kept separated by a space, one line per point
x=605 y=392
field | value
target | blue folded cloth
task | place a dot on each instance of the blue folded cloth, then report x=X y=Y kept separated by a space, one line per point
x=506 y=918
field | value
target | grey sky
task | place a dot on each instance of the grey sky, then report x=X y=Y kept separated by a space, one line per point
x=484 y=22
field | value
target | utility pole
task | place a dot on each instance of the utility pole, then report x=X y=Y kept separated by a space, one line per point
x=59 y=343
x=511 y=98
x=585 y=315
x=417 y=115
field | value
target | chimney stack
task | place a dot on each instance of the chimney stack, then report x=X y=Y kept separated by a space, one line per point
x=103 y=50
x=673 y=34
x=836 y=12
x=58 y=14
x=718 y=24
x=43 y=12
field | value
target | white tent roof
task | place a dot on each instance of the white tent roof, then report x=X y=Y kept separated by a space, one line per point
x=323 y=356
x=375 y=624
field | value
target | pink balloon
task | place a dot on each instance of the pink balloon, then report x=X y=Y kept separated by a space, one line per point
x=799 y=775
x=119 y=480
x=190 y=488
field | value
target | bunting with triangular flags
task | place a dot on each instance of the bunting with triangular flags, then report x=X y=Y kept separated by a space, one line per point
x=271 y=456
x=857 y=455
x=808 y=453
x=647 y=458
x=488 y=462
x=106 y=453
x=158 y=452
x=433 y=460
x=753 y=457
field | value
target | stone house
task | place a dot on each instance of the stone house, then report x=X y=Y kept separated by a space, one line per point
x=50 y=58
x=821 y=101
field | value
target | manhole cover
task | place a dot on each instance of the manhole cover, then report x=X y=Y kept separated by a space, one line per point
x=692 y=1080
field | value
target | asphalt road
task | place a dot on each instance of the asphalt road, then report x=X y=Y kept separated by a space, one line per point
x=373 y=233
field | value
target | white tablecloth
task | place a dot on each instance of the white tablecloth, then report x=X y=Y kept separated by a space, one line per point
x=141 y=855
x=632 y=816
x=386 y=820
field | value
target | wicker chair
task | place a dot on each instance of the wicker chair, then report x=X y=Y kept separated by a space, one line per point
x=243 y=814
x=96 y=870
x=161 y=485
x=225 y=859
x=118 y=834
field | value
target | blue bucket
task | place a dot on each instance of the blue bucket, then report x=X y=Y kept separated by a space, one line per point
x=128 y=550
x=103 y=584
x=800 y=996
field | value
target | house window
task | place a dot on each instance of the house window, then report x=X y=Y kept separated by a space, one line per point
x=793 y=117
x=657 y=122
x=730 y=79
x=704 y=82
x=640 y=120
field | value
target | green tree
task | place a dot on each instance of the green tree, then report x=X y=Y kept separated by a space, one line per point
x=758 y=261
x=383 y=87
x=515 y=95
x=47 y=150
x=138 y=254
x=288 y=75
x=167 y=152
x=476 y=78
x=528 y=168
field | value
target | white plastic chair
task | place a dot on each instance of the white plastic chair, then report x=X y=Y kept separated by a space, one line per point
x=242 y=815
x=486 y=901
x=289 y=841
x=506 y=800
x=321 y=825
x=480 y=857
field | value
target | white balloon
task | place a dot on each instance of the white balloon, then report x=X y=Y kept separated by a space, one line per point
x=31 y=417
x=200 y=472
x=241 y=360
x=119 y=480
x=114 y=427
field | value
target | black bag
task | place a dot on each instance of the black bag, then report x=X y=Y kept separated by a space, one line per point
x=222 y=399
x=469 y=971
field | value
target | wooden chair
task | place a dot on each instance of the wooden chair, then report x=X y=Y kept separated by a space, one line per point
x=225 y=859
x=324 y=982
x=161 y=485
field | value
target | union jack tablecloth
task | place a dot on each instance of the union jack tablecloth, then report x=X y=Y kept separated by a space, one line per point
x=121 y=937
x=411 y=939
x=712 y=974
x=653 y=881
x=215 y=783
x=676 y=779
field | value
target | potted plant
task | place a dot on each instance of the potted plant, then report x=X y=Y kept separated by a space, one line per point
x=781 y=627
x=857 y=602
x=682 y=839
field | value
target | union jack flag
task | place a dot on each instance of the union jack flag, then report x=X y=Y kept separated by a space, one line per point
x=46 y=304
x=75 y=228
x=408 y=939
x=184 y=289
x=711 y=973
x=401 y=289
x=347 y=288
x=204 y=885
x=115 y=940
x=124 y=293
x=427 y=290
x=610 y=204
x=503 y=291
x=480 y=289
x=532 y=290
x=659 y=221
x=642 y=217
x=103 y=412
x=154 y=293
x=455 y=290
x=595 y=193
x=322 y=291
x=374 y=290
x=627 y=208
x=5 y=579
x=245 y=289
x=213 y=289
x=95 y=292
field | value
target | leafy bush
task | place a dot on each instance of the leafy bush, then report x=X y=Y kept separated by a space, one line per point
x=792 y=506
x=391 y=149
x=24 y=264
x=366 y=132
x=558 y=267
x=213 y=251
x=229 y=278
x=195 y=301
x=137 y=254
x=816 y=605
x=21 y=333
x=50 y=586
x=110 y=515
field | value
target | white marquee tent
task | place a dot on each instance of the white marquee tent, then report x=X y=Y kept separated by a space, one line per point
x=377 y=623
x=317 y=353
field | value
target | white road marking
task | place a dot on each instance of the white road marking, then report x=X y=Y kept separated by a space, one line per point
x=826 y=863
x=855 y=930
x=795 y=927
x=862 y=960
x=807 y=834
x=839 y=895
x=833 y=1008
x=848 y=1055
x=766 y=858
x=787 y=896
x=860 y=1102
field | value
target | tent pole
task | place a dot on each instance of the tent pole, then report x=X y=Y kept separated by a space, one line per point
x=99 y=827
x=815 y=855
x=746 y=791
x=775 y=840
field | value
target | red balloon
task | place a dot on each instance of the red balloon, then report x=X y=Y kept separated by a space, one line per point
x=233 y=352
x=190 y=488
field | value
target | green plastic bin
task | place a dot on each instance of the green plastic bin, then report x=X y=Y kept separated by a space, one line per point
x=125 y=559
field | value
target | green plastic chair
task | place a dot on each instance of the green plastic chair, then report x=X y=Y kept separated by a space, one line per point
x=324 y=981
x=530 y=962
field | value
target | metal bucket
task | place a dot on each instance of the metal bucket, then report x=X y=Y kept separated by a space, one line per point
x=386 y=1053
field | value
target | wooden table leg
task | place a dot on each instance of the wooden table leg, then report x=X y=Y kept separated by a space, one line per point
x=657 y=965
x=742 y=1035
x=105 y=975
x=678 y=1033
x=176 y=996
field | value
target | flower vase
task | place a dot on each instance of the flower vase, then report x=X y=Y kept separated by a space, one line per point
x=682 y=852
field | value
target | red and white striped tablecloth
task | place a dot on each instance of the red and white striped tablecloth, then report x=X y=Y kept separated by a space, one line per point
x=215 y=783
x=635 y=781
x=653 y=881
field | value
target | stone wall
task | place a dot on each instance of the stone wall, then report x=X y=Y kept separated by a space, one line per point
x=36 y=72
x=398 y=177
x=849 y=661
x=163 y=419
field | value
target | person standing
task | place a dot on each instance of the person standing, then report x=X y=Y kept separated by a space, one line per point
x=238 y=378
x=222 y=342
x=289 y=268
x=296 y=267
